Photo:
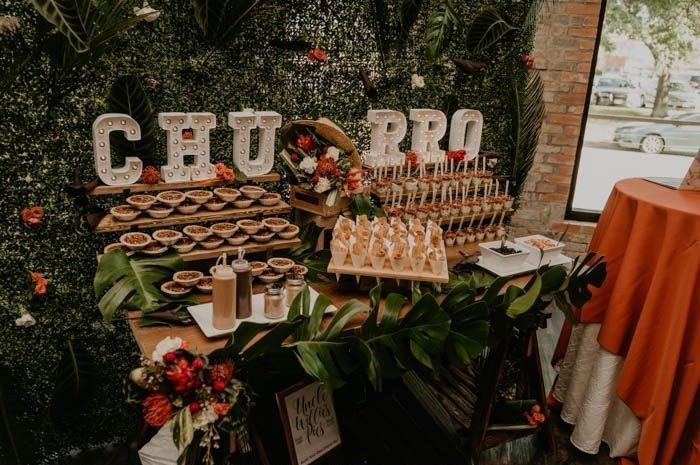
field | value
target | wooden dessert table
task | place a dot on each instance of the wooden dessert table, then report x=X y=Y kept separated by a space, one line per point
x=338 y=293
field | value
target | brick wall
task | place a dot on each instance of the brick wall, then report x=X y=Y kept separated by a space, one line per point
x=563 y=53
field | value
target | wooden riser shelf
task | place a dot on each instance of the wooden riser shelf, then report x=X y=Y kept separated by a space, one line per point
x=467 y=218
x=249 y=247
x=163 y=186
x=111 y=224
x=419 y=194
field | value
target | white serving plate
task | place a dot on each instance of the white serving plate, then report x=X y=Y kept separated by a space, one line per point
x=525 y=268
x=202 y=314
x=547 y=254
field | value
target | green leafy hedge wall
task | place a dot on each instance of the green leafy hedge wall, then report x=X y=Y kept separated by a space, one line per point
x=41 y=144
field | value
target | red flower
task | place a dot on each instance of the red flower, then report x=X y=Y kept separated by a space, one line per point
x=40 y=283
x=221 y=408
x=294 y=157
x=197 y=364
x=314 y=180
x=219 y=385
x=305 y=142
x=229 y=175
x=150 y=175
x=32 y=216
x=317 y=55
x=527 y=60
x=456 y=155
x=157 y=409
x=169 y=357
x=187 y=134
x=220 y=168
x=194 y=407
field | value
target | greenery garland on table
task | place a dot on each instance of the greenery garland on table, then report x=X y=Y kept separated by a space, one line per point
x=454 y=331
x=56 y=75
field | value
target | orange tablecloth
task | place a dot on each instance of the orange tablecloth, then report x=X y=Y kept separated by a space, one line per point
x=649 y=310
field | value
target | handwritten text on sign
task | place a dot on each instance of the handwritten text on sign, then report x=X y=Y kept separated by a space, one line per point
x=312 y=422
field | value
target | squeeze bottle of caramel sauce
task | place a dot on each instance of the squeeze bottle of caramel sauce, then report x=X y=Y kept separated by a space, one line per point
x=223 y=295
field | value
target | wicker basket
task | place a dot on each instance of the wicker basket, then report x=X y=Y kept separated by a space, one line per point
x=306 y=199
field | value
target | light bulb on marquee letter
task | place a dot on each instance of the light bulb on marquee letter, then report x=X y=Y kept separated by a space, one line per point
x=388 y=130
x=429 y=126
x=465 y=132
x=177 y=146
x=242 y=123
x=103 y=125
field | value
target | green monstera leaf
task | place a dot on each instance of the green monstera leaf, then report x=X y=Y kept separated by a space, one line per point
x=123 y=282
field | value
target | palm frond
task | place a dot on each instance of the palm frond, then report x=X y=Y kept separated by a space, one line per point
x=221 y=20
x=527 y=115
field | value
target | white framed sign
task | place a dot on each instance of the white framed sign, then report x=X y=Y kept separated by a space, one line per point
x=309 y=422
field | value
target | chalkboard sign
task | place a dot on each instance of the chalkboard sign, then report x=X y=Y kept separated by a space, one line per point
x=309 y=422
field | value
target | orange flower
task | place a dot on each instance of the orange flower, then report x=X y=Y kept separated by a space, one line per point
x=157 y=409
x=229 y=174
x=412 y=157
x=534 y=416
x=326 y=167
x=32 y=216
x=221 y=372
x=150 y=175
x=221 y=408
x=220 y=168
x=40 y=283
x=317 y=55
x=185 y=345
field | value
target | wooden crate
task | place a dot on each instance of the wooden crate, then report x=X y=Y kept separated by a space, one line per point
x=313 y=202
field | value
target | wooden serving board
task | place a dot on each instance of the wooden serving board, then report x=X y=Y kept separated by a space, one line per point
x=111 y=224
x=389 y=273
x=163 y=186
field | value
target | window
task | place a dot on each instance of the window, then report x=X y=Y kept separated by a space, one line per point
x=642 y=117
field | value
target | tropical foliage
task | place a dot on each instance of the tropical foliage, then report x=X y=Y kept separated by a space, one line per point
x=130 y=282
x=400 y=337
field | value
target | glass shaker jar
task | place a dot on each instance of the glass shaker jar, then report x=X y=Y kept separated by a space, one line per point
x=274 y=302
x=295 y=283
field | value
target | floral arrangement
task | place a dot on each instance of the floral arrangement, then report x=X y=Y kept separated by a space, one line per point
x=320 y=164
x=225 y=172
x=192 y=394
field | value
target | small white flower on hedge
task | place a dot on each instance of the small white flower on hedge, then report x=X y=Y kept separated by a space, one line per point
x=25 y=320
x=323 y=185
x=333 y=153
x=417 y=82
x=169 y=344
x=308 y=165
